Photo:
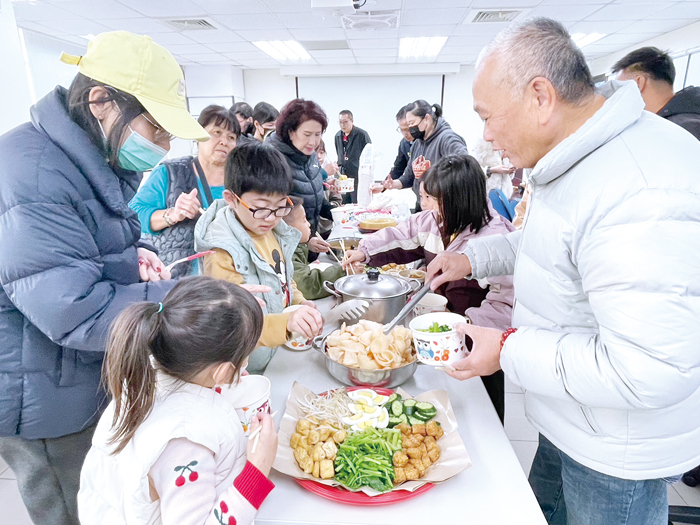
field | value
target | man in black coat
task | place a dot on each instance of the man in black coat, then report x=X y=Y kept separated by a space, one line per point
x=654 y=73
x=349 y=143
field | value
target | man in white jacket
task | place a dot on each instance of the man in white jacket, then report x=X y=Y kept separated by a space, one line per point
x=607 y=287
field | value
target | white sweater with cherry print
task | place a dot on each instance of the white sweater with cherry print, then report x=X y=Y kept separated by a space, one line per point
x=186 y=464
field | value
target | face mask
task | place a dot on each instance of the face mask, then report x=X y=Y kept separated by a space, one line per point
x=416 y=133
x=139 y=154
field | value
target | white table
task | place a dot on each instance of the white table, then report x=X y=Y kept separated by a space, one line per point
x=492 y=491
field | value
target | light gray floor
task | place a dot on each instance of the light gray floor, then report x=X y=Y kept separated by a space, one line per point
x=522 y=436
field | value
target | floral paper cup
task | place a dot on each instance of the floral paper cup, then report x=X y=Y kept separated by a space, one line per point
x=297 y=341
x=249 y=397
x=439 y=348
x=344 y=214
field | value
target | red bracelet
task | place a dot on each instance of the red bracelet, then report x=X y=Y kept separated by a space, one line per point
x=506 y=335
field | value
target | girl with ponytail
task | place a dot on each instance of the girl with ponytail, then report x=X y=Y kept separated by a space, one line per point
x=433 y=139
x=170 y=448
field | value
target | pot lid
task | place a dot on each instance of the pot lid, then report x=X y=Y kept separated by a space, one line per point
x=372 y=285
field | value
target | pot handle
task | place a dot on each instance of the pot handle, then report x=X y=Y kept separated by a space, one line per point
x=330 y=288
x=415 y=284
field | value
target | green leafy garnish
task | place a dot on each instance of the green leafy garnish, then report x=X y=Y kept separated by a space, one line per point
x=436 y=328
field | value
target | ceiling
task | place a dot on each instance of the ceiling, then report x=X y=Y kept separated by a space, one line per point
x=238 y=23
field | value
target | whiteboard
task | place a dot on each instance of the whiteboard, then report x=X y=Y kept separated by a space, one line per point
x=374 y=102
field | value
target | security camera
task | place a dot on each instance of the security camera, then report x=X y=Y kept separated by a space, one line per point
x=357 y=4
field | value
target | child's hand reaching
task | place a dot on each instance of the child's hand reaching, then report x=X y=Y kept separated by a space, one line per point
x=265 y=452
x=352 y=257
x=306 y=321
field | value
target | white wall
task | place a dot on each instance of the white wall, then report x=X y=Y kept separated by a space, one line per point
x=267 y=85
x=14 y=87
x=47 y=69
x=459 y=106
x=374 y=102
x=678 y=41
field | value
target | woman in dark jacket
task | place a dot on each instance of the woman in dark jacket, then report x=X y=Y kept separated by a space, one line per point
x=433 y=138
x=70 y=255
x=168 y=205
x=300 y=125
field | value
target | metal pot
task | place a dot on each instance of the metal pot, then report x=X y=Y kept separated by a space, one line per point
x=387 y=295
x=367 y=378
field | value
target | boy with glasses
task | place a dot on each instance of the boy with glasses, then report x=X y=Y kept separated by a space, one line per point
x=253 y=245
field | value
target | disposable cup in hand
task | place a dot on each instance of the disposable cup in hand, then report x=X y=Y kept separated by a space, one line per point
x=249 y=397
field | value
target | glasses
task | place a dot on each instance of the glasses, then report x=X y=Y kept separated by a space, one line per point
x=344 y=121
x=264 y=213
x=160 y=135
x=399 y=129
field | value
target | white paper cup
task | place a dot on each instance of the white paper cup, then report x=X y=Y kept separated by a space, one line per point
x=343 y=214
x=249 y=397
x=431 y=303
x=438 y=349
x=297 y=341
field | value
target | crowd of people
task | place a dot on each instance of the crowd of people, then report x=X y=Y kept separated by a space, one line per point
x=112 y=353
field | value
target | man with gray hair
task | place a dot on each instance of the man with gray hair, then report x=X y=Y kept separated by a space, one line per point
x=607 y=290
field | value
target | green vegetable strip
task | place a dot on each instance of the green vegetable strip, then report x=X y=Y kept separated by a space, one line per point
x=365 y=459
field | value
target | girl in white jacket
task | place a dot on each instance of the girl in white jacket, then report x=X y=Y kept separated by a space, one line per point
x=170 y=448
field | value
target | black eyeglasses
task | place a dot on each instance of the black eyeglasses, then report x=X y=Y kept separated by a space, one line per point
x=264 y=213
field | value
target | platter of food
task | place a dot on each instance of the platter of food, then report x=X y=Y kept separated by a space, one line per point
x=369 y=446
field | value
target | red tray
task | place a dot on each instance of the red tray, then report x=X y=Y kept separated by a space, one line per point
x=361 y=499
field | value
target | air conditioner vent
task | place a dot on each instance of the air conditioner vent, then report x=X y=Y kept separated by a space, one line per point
x=371 y=21
x=494 y=16
x=191 y=24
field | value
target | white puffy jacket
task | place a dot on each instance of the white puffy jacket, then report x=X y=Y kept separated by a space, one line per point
x=607 y=292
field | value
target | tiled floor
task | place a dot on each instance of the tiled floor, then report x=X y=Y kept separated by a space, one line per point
x=522 y=436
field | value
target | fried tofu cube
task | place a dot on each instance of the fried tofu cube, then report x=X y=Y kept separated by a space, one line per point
x=433 y=429
x=428 y=440
x=404 y=428
x=434 y=454
x=413 y=453
x=418 y=437
x=411 y=473
x=294 y=440
x=423 y=449
x=326 y=469
x=418 y=429
x=314 y=437
x=307 y=465
x=399 y=476
x=410 y=442
x=303 y=427
x=400 y=459
x=316 y=472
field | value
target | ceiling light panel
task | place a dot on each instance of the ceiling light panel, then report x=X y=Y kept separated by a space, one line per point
x=283 y=51
x=421 y=47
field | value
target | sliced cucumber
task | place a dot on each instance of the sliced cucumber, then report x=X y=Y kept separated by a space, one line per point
x=410 y=402
x=393 y=397
x=422 y=406
x=408 y=410
x=396 y=408
x=393 y=421
x=415 y=421
x=403 y=418
x=421 y=416
x=426 y=414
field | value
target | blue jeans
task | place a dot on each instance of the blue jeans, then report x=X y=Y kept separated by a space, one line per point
x=571 y=494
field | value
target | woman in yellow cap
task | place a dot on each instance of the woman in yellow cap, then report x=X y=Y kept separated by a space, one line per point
x=71 y=258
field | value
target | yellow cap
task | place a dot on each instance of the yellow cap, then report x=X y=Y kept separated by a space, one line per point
x=136 y=65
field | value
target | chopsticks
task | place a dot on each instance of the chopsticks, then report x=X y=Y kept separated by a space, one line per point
x=345 y=256
x=331 y=250
x=202 y=210
x=190 y=258
x=256 y=434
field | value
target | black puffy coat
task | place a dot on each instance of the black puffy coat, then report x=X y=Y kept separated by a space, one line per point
x=308 y=179
x=68 y=267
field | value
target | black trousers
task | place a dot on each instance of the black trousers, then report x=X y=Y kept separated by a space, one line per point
x=496 y=388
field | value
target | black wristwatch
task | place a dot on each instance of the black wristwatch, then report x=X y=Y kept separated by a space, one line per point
x=488 y=171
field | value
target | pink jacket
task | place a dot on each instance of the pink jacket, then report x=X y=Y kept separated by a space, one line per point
x=486 y=302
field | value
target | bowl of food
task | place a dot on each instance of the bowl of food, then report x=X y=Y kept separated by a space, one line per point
x=418 y=275
x=362 y=355
x=373 y=224
x=435 y=339
x=297 y=341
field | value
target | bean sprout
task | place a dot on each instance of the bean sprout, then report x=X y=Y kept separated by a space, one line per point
x=332 y=405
